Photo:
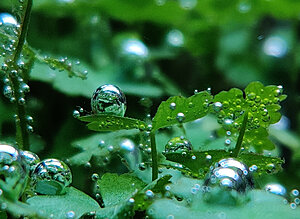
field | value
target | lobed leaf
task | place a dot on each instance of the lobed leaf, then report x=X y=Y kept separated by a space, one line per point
x=192 y=108
x=115 y=189
x=112 y=123
x=59 y=205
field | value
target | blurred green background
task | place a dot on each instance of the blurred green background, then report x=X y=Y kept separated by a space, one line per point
x=155 y=49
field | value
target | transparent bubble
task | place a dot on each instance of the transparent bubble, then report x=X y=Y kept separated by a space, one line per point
x=295 y=192
x=175 y=38
x=127 y=145
x=51 y=176
x=13 y=172
x=8 y=19
x=108 y=99
x=178 y=144
x=276 y=189
x=31 y=159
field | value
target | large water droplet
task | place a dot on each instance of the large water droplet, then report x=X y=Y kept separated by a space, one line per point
x=275 y=46
x=178 y=144
x=13 y=172
x=51 y=176
x=127 y=145
x=180 y=117
x=31 y=159
x=108 y=99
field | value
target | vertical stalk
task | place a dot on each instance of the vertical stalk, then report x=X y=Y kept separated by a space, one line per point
x=154 y=156
x=238 y=145
x=22 y=137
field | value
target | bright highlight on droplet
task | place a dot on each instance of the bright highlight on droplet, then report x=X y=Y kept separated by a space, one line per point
x=8 y=19
x=135 y=48
x=175 y=38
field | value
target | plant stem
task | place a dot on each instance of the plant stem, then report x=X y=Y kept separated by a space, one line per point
x=154 y=156
x=22 y=137
x=238 y=145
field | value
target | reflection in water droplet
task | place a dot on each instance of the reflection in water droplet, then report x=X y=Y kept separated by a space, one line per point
x=31 y=159
x=70 y=215
x=275 y=46
x=178 y=144
x=172 y=106
x=180 y=117
x=175 y=38
x=51 y=176
x=108 y=99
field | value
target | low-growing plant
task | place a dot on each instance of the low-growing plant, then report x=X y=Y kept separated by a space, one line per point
x=212 y=173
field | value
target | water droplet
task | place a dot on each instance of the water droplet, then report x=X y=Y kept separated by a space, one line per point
x=25 y=88
x=175 y=38
x=131 y=200
x=180 y=117
x=227 y=142
x=95 y=177
x=135 y=49
x=172 y=106
x=13 y=172
x=21 y=100
x=217 y=106
x=295 y=192
x=275 y=46
x=29 y=129
x=194 y=157
x=127 y=145
x=70 y=214
x=244 y=7
x=149 y=194
x=188 y=4
x=8 y=92
x=8 y=19
x=293 y=205
x=276 y=189
x=178 y=144
x=108 y=99
x=208 y=157
x=51 y=176
x=31 y=159
x=76 y=114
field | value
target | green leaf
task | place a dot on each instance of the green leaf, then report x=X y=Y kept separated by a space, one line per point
x=193 y=108
x=59 y=205
x=115 y=189
x=199 y=164
x=112 y=123
x=261 y=205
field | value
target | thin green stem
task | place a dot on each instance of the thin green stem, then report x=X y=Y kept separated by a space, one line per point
x=154 y=156
x=238 y=145
x=182 y=129
x=22 y=136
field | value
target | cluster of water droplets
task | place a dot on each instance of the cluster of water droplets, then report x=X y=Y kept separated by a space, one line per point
x=293 y=198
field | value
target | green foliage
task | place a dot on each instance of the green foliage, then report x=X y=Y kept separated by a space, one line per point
x=193 y=108
x=60 y=205
x=199 y=162
x=116 y=189
x=112 y=123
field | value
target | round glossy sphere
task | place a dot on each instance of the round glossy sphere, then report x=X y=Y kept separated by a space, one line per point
x=108 y=99
x=7 y=19
x=51 y=177
x=230 y=174
x=178 y=144
x=13 y=172
x=31 y=159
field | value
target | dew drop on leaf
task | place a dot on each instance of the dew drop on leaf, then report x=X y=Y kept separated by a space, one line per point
x=7 y=19
x=180 y=117
x=13 y=172
x=108 y=99
x=51 y=176
x=95 y=177
x=127 y=145
x=178 y=144
x=31 y=159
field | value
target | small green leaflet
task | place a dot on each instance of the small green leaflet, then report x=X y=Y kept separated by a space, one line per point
x=199 y=162
x=115 y=189
x=112 y=123
x=192 y=108
x=59 y=205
